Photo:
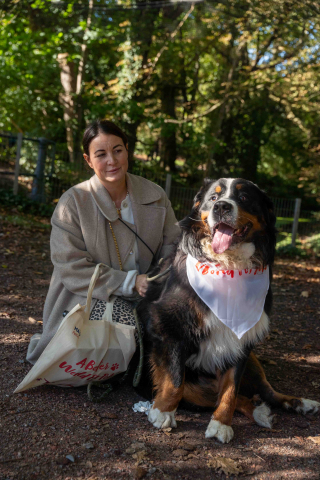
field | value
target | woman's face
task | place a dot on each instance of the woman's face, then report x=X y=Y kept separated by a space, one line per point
x=108 y=157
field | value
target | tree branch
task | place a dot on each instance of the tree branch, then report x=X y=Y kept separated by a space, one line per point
x=194 y=117
x=172 y=35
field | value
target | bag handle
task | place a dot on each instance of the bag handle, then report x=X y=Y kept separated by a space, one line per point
x=92 y=284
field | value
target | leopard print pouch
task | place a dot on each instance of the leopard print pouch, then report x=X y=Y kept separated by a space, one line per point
x=122 y=311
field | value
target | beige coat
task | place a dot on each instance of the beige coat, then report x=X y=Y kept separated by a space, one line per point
x=81 y=238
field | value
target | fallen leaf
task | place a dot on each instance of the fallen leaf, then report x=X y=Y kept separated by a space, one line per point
x=272 y=362
x=111 y=416
x=139 y=456
x=135 y=447
x=4 y=266
x=140 y=473
x=307 y=347
x=187 y=446
x=277 y=331
x=315 y=440
x=32 y=320
x=225 y=465
x=179 y=452
x=304 y=294
x=292 y=329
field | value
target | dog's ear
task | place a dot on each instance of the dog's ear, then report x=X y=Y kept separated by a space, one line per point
x=268 y=210
x=267 y=242
x=191 y=219
x=199 y=196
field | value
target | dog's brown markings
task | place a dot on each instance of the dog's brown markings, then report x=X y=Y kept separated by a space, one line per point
x=204 y=216
x=218 y=189
x=227 y=398
x=168 y=396
x=245 y=217
x=239 y=186
x=245 y=406
x=254 y=380
x=204 y=393
x=197 y=204
x=203 y=228
x=194 y=306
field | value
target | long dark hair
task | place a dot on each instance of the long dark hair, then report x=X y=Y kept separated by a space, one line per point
x=101 y=126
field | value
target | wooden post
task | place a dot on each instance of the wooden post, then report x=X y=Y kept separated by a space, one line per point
x=38 y=191
x=53 y=155
x=168 y=185
x=17 y=166
x=295 y=221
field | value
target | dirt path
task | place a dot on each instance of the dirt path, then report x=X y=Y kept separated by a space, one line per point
x=40 y=427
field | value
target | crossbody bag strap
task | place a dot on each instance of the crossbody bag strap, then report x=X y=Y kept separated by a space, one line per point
x=138 y=236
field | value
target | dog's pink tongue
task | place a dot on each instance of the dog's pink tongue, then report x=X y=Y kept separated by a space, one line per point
x=222 y=238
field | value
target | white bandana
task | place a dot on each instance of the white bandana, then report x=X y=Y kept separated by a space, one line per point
x=236 y=297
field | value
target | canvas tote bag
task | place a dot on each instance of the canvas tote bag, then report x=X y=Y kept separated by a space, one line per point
x=83 y=350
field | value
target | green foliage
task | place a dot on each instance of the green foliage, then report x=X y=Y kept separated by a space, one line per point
x=292 y=252
x=230 y=89
x=22 y=204
x=307 y=246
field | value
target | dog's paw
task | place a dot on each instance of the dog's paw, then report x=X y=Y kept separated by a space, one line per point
x=308 y=406
x=262 y=415
x=222 y=432
x=162 y=419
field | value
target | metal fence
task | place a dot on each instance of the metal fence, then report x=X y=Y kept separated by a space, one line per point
x=42 y=168
x=27 y=161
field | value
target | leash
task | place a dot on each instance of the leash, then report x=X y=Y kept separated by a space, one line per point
x=151 y=279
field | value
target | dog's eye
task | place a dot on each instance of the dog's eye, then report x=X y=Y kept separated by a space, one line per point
x=243 y=198
x=214 y=198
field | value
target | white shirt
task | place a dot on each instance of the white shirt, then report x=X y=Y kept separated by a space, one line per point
x=131 y=265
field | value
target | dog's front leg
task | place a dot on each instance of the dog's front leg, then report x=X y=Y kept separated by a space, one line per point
x=220 y=423
x=168 y=381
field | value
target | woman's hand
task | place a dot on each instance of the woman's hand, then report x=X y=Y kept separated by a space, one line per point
x=141 y=284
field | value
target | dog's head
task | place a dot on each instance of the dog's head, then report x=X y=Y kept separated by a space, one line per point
x=231 y=218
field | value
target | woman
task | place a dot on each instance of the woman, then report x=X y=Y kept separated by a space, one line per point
x=90 y=225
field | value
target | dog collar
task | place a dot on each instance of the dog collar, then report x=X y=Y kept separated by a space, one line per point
x=236 y=297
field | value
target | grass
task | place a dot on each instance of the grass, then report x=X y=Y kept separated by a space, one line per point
x=308 y=246
x=290 y=220
x=24 y=220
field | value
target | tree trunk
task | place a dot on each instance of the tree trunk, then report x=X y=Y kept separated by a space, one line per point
x=168 y=130
x=68 y=82
x=70 y=99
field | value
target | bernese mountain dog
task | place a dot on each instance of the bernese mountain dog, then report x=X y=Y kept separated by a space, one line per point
x=200 y=331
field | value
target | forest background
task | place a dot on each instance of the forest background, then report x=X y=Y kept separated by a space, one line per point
x=203 y=88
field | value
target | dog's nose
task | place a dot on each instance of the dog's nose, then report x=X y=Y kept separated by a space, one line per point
x=222 y=207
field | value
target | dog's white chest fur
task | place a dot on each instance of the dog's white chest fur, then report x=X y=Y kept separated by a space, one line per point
x=223 y=346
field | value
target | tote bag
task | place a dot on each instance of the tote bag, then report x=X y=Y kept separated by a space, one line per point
x=83 y=350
